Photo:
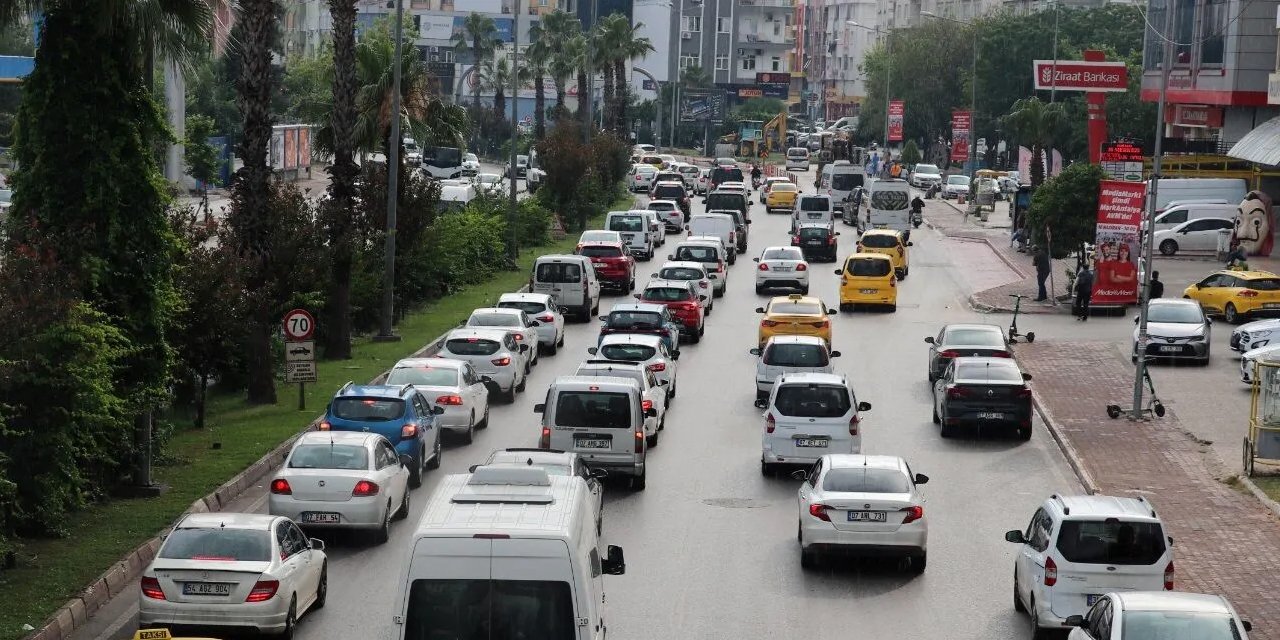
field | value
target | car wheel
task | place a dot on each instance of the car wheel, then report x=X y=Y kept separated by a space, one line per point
x=671 y=396
x=383 y=532
x=893 y=308
x=695 y=337
x=560 y=342
x=804 y=291
x=508 y=396
x=552 y=349
x=1168 y=247
x=322 y=589
x=484 y=420
x=415 y=475
x=470 y=433
x=523 y=382
x=1017 y=602
x=918 y=563
x=709 y=309
x=766 y=469
x=290 y=620
x=947 y=430
x=936 y=418
x=638 y=482
x=808 y=559
x=436 y=455
x=403 y=511
x=652 y=440
x=1037 y=633
x=1024 y=433
x=1230 y=314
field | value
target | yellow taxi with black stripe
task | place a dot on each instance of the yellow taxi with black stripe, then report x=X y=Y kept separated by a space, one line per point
x=868 y=278
x=1237 y=295
x=782 y=195
x=891 y=243
x=795 y=315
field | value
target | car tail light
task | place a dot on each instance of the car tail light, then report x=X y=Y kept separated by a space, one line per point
x=151 y=589
x=519 y=337
x=1168 y=577
x=702 y=284
x=544 y=441
x=409 y=430
x=770 y=423
x=639 y=448
x=281 y=487
x=764 y=267
x=719 y=267
x=658 y=366
x=451 y=400
x=853 y=425
x=502 y=362
x=819 y=511
x=795 y=240
x=1050 y=572
x=802 y=267
x=364 y=489
x=324 y=425
x=831 y=240
x=913 y=513
x=768 y=323
x=646 y=405
x=821 y=325
x=1248 y=293
x=957 y=392
x=546 y=317
x=733 y=235
x=901 y=250
x=1001 y=354
x=263 y=590
x=948 y=353
x=1023 y=393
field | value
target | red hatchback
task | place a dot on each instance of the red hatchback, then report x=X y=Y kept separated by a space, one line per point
x=682 y=299
x=614 y=266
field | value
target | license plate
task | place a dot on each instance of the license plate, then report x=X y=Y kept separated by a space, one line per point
x=782 y=268
x=812 y=442
x=600 y=264
x=990 y=415
x=868 y=291
x=1170 y=349
x=592 y=443
x=813 y=243
x=321 y=518
x=866 y=516
x=1091 y=598
x=206 y=588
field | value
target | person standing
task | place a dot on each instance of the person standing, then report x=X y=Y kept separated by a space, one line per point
x=1041 y=260
x=1157 y=287
x=1084 y=291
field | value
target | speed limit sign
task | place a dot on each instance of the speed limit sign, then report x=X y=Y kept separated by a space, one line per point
x=299 y=324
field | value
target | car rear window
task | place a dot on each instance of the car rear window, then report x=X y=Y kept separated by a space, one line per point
x=979 y=372
x=368 y=409
x=782 y=253
x=490 y=609
x=974 y=337
x=889 y=200
x=1263 y=284
x=223 y=544
x=680 y=273
x=846 y=181
x=666 y=294
x=797 y=152
x=668 y=192
x=600 y=252
x=1111 y=542
x=796 y=355
x=662 y=206
x=558 y=272
x=634 y=320
x=531 y=308
x=795 y=309
x=626 y=223
x=472 y=346
x=812 y=401
x=866 y=480
x=868 y=267
x=783 y=187
x=627 y=352
x=493 y=320
x=927 y=168
x=879 y=241
x=723 y=174
x=725 y=201
x=593 y=409
x=696 y=254
x=424 y=375
x=813 y=232
x=330 y=456
x=815 y=204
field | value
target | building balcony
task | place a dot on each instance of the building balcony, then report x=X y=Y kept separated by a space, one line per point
x=785 y=40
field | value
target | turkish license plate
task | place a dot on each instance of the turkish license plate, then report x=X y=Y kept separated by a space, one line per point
x=313 y=517
x=990 y=415
x=600 y=264
x=1091 y=598
x=206 y=588
x=815 y=215
x=1271 y=305
x=592 y=443
x=866 y=516
x=813 y=243
x=782 y=267
x=820 y=443
x=1170 y=349
x=868 y=291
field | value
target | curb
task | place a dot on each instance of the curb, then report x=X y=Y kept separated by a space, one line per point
x=1260 y=494
x=1068 y=451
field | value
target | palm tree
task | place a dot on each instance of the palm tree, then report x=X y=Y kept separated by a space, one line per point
x=557 y=31
x=602 y=55
x=536 y=57
x=1038 y=124
x=482 y=33
x=576 y=51
x=629 y=47
x=496 y=77
x=342 y=179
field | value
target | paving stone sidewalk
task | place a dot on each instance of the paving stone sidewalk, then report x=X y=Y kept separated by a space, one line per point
x=1225 y=540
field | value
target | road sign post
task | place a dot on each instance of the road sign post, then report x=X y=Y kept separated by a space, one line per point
x=299 y=352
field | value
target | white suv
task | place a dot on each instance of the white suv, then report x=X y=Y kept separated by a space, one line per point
x=1078 y=548
x=808 y=416
x=787 y=355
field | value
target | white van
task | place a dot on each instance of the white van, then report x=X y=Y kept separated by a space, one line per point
x=599 y=418
x=455 y=195
x=508 y=544
x=1230 y=190
x=570 y=280
x=634 y=227
x=840 y=178
x=814 y=208
x=797 y=159
x=720 y=225
x=889 y=205
x=1180 y=213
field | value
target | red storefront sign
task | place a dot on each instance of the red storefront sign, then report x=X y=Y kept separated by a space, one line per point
x=961 y=129
x=896 y=111
x=1115 y=280
x=1080 y=75
x=1193 y=115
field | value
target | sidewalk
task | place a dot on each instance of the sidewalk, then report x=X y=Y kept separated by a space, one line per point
x=1225 y=541
x=220 y=198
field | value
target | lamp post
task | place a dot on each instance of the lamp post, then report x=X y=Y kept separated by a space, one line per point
x=888 y=72
x=973 y=89
x=513 y=250
x=386 y=327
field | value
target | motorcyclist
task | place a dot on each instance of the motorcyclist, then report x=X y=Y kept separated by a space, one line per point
x=755 y=174
x=917 y=205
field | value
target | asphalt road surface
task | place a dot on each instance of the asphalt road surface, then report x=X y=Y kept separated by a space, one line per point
x=711 y=544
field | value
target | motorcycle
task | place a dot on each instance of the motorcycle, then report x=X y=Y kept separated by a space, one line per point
x=917 y=217
x=756 y=181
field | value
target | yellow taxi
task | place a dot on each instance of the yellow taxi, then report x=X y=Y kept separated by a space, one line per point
x=795 y=315
x=1237 y=294
x=162 y=634
x=782 y=195
x=890 y=243
x=868 y=278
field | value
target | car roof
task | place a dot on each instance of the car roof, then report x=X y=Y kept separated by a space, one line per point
x=477 y=332
x=625 y=367
x=811 y=377
x=851 y=460
x=526 y=297
x=1093 y=507
x=882 y=232
x=375 y=390
x=561 y=257
x=337 y=437
x=632 y=307
x=600 y=243
x=796 y=339
x=1248 y=275
x=499 y=311
x=537 y=456
x=441 y=363
x=683 y=264
x=818 y=195
x=1172 y=601
x=670 y=183
x=869 y=256
x=796 y=297
x=701 y=241
x=654 y=283
x=590 y=381
x=633 y=338
x=1174 y=302
x=223 y=519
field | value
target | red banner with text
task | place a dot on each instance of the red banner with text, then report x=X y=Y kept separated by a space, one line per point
x=961 y=128
x=896 y=112
x=1115 y=280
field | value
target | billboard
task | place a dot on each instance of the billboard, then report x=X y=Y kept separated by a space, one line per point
x=896 y=111
x=774 y=85
x=961 y=130
x=1122 y=160
x=1115 y=282
x=504 y=26
x=1079 y=75
x=702 y=105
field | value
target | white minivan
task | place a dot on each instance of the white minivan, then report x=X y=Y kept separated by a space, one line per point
x=1180 y=213
x=814 y=207
x=1230 y=190
x=719 y=225
x=840 y=178
x=507 y=544
x=599 y=418
x=797 y=159
x=571 y=282
x=808 y=415
x=636 y=234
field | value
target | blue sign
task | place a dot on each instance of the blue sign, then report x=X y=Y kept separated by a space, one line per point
x=648 y=85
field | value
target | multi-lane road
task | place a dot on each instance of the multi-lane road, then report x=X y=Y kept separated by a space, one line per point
x=711 y=544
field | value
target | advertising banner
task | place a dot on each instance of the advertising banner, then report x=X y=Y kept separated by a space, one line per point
x=774 y=85
x=1115 y=281
x=896 y=112
x=1079 y=75
x=1122 y=160
x=699 y=105
x=961 y=129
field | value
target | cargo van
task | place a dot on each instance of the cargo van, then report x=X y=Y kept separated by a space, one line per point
x=508 y=545
x=1180 y=213
x=840 y=178
x=571 y=282
x=814 y=208
x=719 y=225
x=797 y=159
x=889 y=205
x=601 y=419
x=1230 y=190
x=636 y=235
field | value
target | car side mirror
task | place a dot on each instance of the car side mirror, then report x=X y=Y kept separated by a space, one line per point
x=636 y=296
x=832 y=311
x=535 y=323
x=922 y=478
x=748 y=222
x=437 y=410
x=702 y=298
x=761 y=403
x=486 y=379
x=1199 y=285
x=524 y=348
x=930 y=340
x=541 y=407
x=1074 y=621
x=800 y=474
x=910 y=244
x=1026 y=377
x=755 y=351
x=651 y=413
x=675 y=355
x=759 y=309
x=1248 y=626
x=614 y=564
x=406 y=461
x=318 y=545
x=755 y=259
x=839 y=271
x=835 y=354
x=1015 y=537
x=1135 y=319
x=864 y=406
x=592 y=350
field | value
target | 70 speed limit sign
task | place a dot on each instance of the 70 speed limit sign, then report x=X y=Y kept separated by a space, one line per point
x=299 y=325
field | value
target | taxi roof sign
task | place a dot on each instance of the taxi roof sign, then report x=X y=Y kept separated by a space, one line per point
x=160 y=634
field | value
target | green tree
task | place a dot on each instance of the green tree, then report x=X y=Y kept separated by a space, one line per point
x=307 y=87
x=496 y=77
x=335 y=213
x=911 y=153
x=1039 y=125
x=619 y=44
x=929 y=65
x=202 y=159
x=1068 y=205
x=557 y=34
x=576 y=50
x=536 y=58
x=479 y=35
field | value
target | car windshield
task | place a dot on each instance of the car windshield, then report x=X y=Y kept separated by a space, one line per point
x=626 y=223
x=722 y=174
x=597 y=409
x=846 y=181
x=368 y=409
x=558 y=272
x=974 y=337
x=809 y=233
x=424 y=375
x=666 y=294
x=680 y=273
x=927 y=168
x=782 y=253
x=634 y=320
x=598 y=251
x=889 y=200
x=795 y=309
x=1175 y=313
x=493 y=320
x=984 y=372
x=815 y=204
x=442 y=156
x=866 y=480
x=627 y=352
x=1263 y=284
x=222 y=544
x=1111 y=541
x=647 y=169
x=796 y=355
x=868 y=267
x=471 y=346
x=471 y=157
x=688 y=170
x=461 y=609
x=330 y=456
x=696 y=254
x=959 y=180
x=812 y=401
x=1179 y=625
x=531 y=308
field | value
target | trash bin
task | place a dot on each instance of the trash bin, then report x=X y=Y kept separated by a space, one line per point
x=1268 y=444
x=1224 y=244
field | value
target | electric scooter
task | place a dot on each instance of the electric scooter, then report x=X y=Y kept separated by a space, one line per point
x=1154 y=406
x=1013 y=325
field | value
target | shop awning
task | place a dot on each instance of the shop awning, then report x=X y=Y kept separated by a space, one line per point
x=1262 y=145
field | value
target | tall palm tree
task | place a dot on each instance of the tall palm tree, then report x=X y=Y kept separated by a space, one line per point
x=557 y=33
x=496 y=77
x=628 y=47
x=536 y=58
x=1038 y=124
x=576 y=52
x=601 y=42
x=479 y=35
x=342 y=179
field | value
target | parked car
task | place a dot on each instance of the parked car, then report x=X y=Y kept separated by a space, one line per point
x=1237 y=295
x=1176 y=330
x=955 y=186
x=1192 y=235
x=1139 y=615
x=924 y=176
x=1252 y=335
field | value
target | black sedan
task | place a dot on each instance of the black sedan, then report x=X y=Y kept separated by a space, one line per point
x=980 y=393
x=956 y=340
x=817 y=241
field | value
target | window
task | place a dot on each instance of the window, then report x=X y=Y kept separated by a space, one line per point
x=490 y=609
x=249 y=545
x=692 y=24
x=593 y=409
x=330 y=456
x=1213 y=28
x=1178 y=625
x=471 y=347
x=627 y=352
x=749 y=63
x=601 y=251
x=723 y=25
x=424 y=375
x=1184 y=19
x=722 y=63
x=869 y=267
x=687 y=61
x=558 y=272
x=1111 y=542
x=796 y=355
x=775 y=63
x=812 y=401
x=368 y=409
x=866 y=480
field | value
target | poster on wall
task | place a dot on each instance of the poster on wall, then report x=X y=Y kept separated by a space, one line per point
x=304 y=146
x=960 y=131
x=896 y=112
x=290 y=149
x=1115 y=281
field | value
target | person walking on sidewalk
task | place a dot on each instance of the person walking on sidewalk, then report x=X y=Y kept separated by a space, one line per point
x=1041 y=260
x=1157 y=287
x=1084 y=291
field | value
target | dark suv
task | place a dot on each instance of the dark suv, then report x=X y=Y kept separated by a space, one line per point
x=725 y=173
x=817 y=241
x=648 y=318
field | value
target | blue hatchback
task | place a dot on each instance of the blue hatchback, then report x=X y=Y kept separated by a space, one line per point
x=397 y=412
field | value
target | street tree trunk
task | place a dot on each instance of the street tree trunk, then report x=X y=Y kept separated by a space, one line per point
x=609 y=107
x=1037 y=165
x=558 y=111
x=342 y=184
x=539 y=107
x=582 y=97
x=621 y=95
x=500 y=102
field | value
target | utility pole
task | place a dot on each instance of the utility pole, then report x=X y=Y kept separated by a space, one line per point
x=1053 y=86
x=513 y=248
x=386 y=330
x=590 y=120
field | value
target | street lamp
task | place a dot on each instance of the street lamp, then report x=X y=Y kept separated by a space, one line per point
x=973 y=89
x=675 y=85
x=386 y=332
x=888 y=72
x=513 y=250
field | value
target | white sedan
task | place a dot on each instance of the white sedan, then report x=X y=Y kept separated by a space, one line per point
x=955 y=186
x=854 y=504
x=648 y=350
x=470 y=165
x=695 y=272
x=342 y=480
x=1270 y=353
x=782 y=267
x=452 y=385
x=514 y=321
x=544 y=310
x=1200 y=234
x=234 y=570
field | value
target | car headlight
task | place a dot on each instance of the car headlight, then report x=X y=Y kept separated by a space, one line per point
x=1196 y=338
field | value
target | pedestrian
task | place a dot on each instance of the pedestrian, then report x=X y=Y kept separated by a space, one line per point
x=1157 y=287
x=1041 y=260
x=1019 y=238
x=1084 y=291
